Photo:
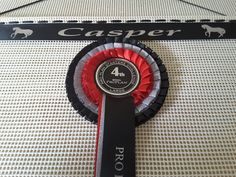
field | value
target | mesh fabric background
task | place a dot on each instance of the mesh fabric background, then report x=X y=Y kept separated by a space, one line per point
x=192 y=135
x=119 y=8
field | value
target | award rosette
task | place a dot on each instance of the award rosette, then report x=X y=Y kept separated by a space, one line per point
x=118 y=84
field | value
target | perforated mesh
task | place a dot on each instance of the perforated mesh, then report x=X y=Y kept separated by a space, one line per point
x=6 y=5
x=225 y=7
x=118 y=8
x=192 y=135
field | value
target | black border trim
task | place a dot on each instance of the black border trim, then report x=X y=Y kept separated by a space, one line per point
x=140 y=30
x=124 y=21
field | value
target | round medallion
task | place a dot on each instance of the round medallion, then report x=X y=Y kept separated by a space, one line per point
x=117 y=77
